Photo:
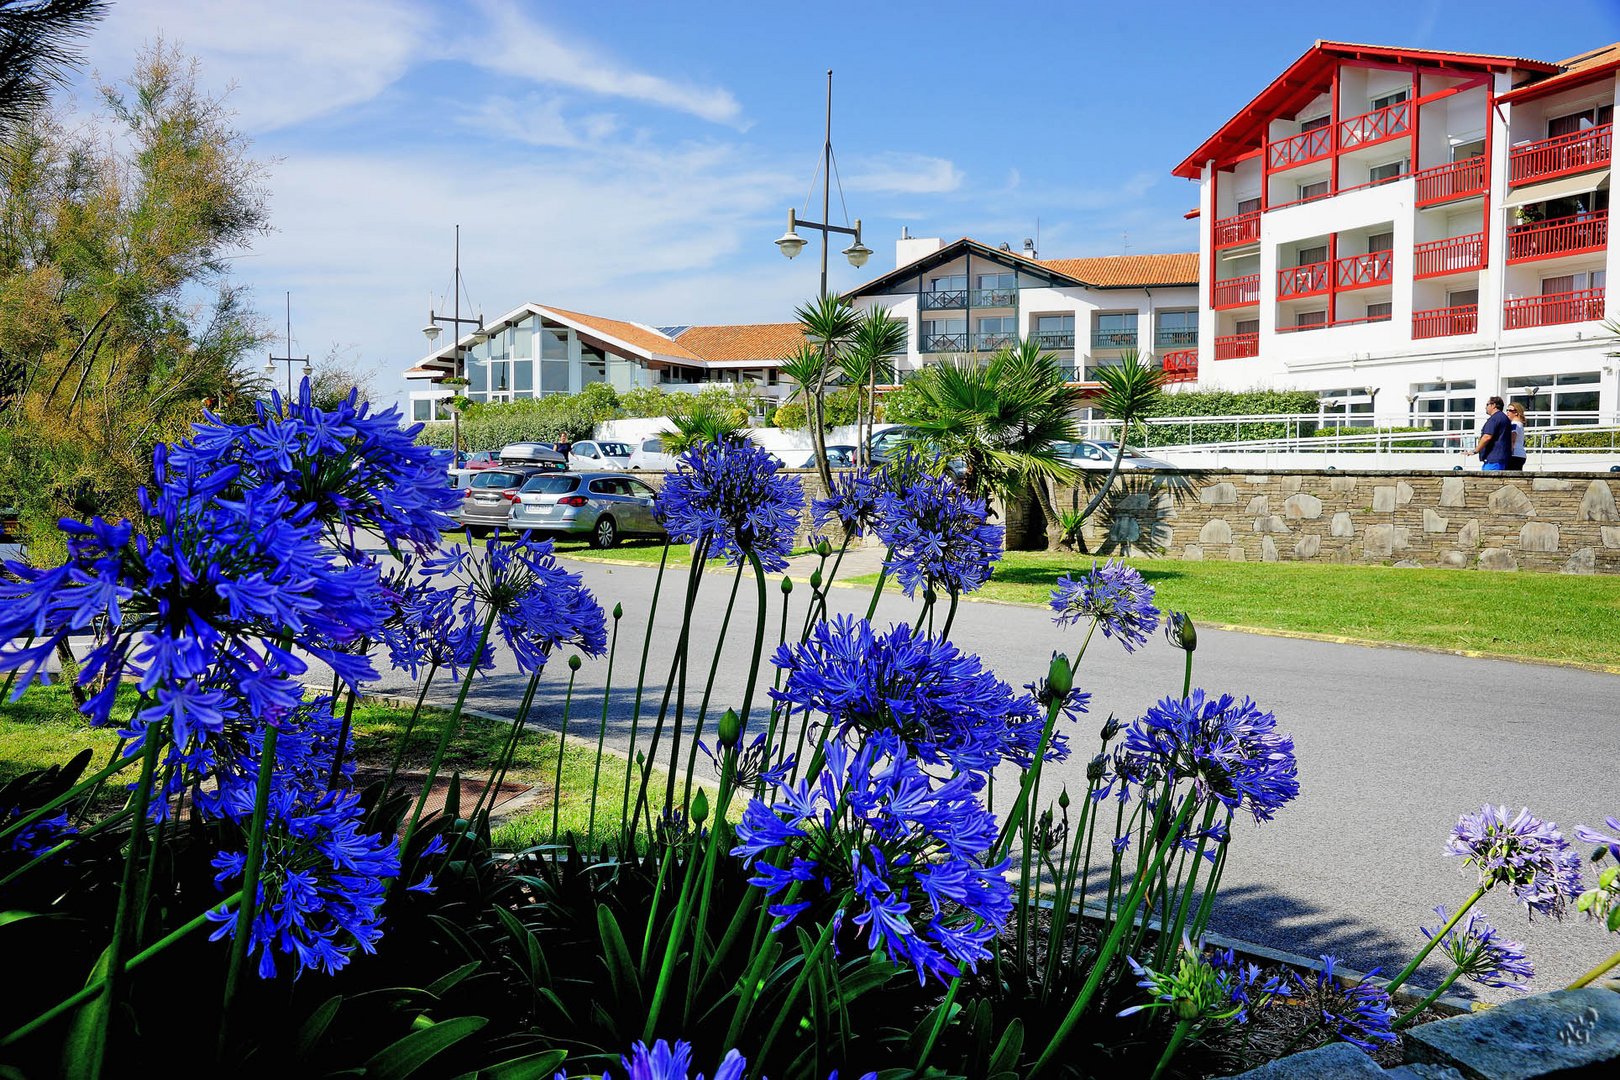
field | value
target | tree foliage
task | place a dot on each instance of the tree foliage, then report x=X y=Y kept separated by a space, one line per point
x=554 y=416
x=38 y=47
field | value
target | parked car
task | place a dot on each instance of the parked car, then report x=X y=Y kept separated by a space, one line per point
x=884 y=444
x=602 y=506
x=487 y=501
x=1090 y=454
x=481 y=459
x=537 y=455
x=649 y=455
x=601 y=455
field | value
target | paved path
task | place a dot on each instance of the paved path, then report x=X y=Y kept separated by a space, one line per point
x=1393 y=745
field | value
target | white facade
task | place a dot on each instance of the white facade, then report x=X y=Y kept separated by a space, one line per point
x=1412 y=284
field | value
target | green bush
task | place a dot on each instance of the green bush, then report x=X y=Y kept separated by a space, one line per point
x=1256 y=402
x=1585 y=441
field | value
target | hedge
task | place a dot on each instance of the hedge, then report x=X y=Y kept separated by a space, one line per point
x=1256 y=402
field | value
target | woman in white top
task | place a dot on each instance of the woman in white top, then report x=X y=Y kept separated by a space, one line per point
x=1517 y=455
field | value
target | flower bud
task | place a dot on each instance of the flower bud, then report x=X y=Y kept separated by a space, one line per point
x=823 y=548
x=1096 y=768
x=1111 y=728
x=1063 y=799
x=700 y=807
x=1060 y=677
x=730 y=732
x=1180 y=632
x=574 y=662
x=787 y=585
x=1185 y=1008
x=618 y=611
x=815 y=578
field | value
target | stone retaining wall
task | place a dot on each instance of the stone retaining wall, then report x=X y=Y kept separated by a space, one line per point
x=1558 y=522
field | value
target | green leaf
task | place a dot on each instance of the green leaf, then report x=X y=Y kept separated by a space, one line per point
x=531 y=958
x=621 y=970
x=84 y=1047
x=541 y=1066
x=310 y=1032
x=1614 y=918
x=1005 y=1059
x=452 y=797
x=439 y=987
x=409 y=1054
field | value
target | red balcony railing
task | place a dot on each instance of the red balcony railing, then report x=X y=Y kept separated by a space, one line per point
x=1458 y=180
x=1240 y=229
x=1582 y=305
x=1389 y=122
x=1561 y=236
x=1237 y=291
x=1572 y=153
x=1237 y=346
x=1307 y=280
x=1453 y=255
x=1181 y=365
x=1299 y=149
x=1446 y=321
x=1360 y=271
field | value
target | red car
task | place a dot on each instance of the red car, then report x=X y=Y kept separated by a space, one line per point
x=482 y=459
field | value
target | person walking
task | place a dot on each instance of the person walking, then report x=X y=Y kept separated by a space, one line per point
x=1495 y=444
x=1516 y=452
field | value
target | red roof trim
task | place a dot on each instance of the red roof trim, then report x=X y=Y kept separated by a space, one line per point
x=1565 y=81
x=1191 y=214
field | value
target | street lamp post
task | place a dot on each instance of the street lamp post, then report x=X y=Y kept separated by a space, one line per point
x=289 y=359
x=791 y=243
x=455 y=321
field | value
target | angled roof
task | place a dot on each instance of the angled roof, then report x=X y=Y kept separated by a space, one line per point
x=1575 y=70
x=639 y=337
x=742 y=341
x=1130 y=271
x=1303 y=80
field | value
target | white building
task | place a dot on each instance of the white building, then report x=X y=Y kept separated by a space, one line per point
x=1409 y=232
x=966 y=298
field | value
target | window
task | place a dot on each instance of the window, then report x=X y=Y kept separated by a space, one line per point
x=421 y=409
x=1378 y=312
x=550 y=485
x=1313 y=191
x=1556 y=399
x=1313 y=123
x=998 y=281
x=1177 y=329
x=1463 y=298
x=947 y=283
x=1444 y=406
x=1467 y=151
x=1388 y=171
x=1387 y=100
x=1565 y=283
x=1346 y=406
x=610 y=486
x=998 y=324
x=1246 y=326
x=1382 y=241
x=1311 y=318
x=931 y=327
x=1580 y=121
x=1248 y=206
x=1054 y=323
x=523 y=376
x=640 y=490
x=1310 y=255
x=494 y=478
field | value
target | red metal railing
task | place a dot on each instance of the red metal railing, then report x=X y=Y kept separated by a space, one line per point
x=1299 y=328
x=1452 y=255
x=1446 y=321
x=1572 y=153
x=1237 y=291
x=1237 y=346
x=1560 y=236
x=1458 y=180
x=1240 y=229
x=1181 y=365
x=1359 y=271
x=1298 y=149
x=1307 y=280
x=1374 y=127
x=1582 y=305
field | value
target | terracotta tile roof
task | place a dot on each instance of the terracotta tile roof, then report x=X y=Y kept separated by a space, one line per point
x=743 y=341
x=632 y=334
x=1576 y=70
x=1125 y=271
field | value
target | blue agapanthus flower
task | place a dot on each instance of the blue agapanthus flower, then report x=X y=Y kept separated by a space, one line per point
x=728 y=493
x=939 y=702
x=853 y=504
x=878 y=840
x=433 y=627
x=1480 y=952
x=1230 y=749
x=221 y=770
x=1115 y=596
x=38 y=838
x=1358 y=1013
x=1611 y=840
x=937 y=535
x=1523 y=852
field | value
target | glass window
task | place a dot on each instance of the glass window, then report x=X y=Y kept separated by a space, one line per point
x=550 y=485
x=421 y=409
x=1468 y=150
x=1055 y=323
x=1314 y=190
x=496 y=478
x=1463 y=298
x=1178 y=320
x=1379 y=311
x=931 y=327
x=554 y=376
x=947 y=283
x=1311 y=318
x=1384 y=241
x=1310 y=255
x=1247 y=326
x=1116 y=322
x=1248 y=206
x=1387 y=100
x=521 y=345
x=998 y=324
x=554 y=344
x=477 y=378
x=523 y=376
x=652 y=446
x=1387 y=171
x=998 y=281
x=1313 y=123
x=640 y=490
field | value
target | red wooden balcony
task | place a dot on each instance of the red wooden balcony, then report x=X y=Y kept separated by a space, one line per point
x=1300 y=149
x=1237 y=292
x=1237 y=346
x=1307 y=280
x=1582 y=305
x=1390 y=122
x=1446 y=321
x=1239 y=229
x=1458 y=180
x=1181 y=366
x=1360 y=271
x=1562 y=154
x=1453 y=255
x=1571 y=235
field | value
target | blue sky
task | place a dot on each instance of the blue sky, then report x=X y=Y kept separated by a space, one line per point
x=637 y=159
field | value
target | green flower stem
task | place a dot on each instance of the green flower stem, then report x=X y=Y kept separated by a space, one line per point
x=1206 y=903
x=1060 y=911
x=503 y=760
x=410 y=726
x=1429 y=999
x=100 y=781
x=652 y=915
x=562 y=749
x=759 y=642
x=817 y=592
x=451 y=724
x=343 y=731
x=46 y=856
x=117 y=763
x=717 y=841
x=96 y=987
x=797 y=988
x=641 y=681
x=1110 y=947
x=817 y=611
x=601 y=732
x=677 y=936
x=1177 y=1037
x=1423 y=953
x=1174 y=936
x=1026 y=864
x=883 y=579
x=677 y=663
x=729 y=939
x=773 y=755
x=708 y=689
x=950 y=615
x=250 y=883
x=1592 y=976
x=1031 y=782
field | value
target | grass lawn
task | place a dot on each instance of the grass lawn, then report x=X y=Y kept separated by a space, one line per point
x=1522 y=615
x=43 y=729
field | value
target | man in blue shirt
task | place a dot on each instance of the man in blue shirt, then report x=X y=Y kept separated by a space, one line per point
x=1495 y=438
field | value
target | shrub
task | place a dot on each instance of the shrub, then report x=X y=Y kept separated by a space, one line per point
x=1256 y=402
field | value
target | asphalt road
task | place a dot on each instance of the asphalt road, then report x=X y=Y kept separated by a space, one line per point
x=1393 y=745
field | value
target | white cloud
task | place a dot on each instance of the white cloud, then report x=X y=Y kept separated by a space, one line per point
x=898 y=173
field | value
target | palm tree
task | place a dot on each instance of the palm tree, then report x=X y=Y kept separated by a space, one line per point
x=1129 y=391
x=702 y=422
x=878 y=336
x=828 y=323
x=38 y=45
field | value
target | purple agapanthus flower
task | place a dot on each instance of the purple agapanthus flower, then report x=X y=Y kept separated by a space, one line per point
x=1480 y=952
x=937 y=535
x=1611 y=840
x=901 y=853
x=1115 y=597
x=1358 y=1013
x=1528 y=855
x=1230 y=749
x=852 y=503
x=728 y=493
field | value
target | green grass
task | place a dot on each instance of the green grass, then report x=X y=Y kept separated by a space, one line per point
x=1524 y=615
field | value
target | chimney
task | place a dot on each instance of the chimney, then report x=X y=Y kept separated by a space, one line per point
x=908 y=249
x=1029 y=249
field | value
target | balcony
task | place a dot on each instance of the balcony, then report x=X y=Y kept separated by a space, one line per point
x=1445 y=322
x=1301 y=328
x=1233 y=231
x=1237 y=346
x=1554 y=309
x=1181 y=366
x=1053 y=339
x=944 y=300
x=995 y=298
x=1301 y=149
x=1453 y=255
x=1070 y=372
x=1561 y=155
x=1113 y=339
x=1175 y=339
x=1361 y=271
x=1237 y=292
x=1307 y=280
x=1390 y=122
x=1573 y=235
x=1443 y=183
x=990 y=342
x=932 y=343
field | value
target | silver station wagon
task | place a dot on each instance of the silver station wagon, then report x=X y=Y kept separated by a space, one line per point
x=601 y=506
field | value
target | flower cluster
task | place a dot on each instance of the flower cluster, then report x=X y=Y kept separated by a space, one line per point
x=1359 y=1013
x=934 y=701
x=876 y=836
x=434 y=627
x=853 y=503
x=674 y=1062
x=1481 y=954
x=37 y=838
x=1115 y=597
x=1527 y=854
x=1231 y=751
x=937 y=535
x=727 y=494
x=1207 y=989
